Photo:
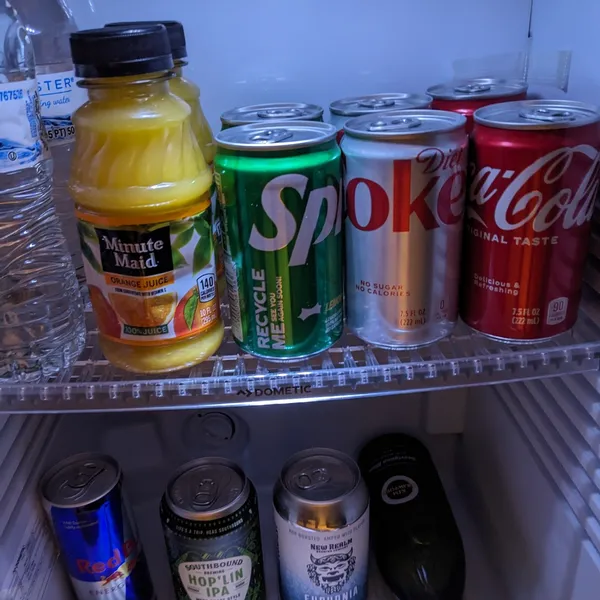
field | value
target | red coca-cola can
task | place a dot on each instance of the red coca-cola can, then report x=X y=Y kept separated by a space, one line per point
x=534 y=182
x=467 y=96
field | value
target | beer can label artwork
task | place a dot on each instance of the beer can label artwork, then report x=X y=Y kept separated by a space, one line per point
x=216 y=560
x=403 y=237
x=283 y=251
x=153 y=282
x=527 y=229
x=323 y=564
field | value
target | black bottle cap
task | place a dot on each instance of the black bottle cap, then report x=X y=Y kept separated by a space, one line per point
x=174 y=29
x=121 y=51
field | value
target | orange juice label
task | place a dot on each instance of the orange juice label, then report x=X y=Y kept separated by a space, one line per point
x=151 y=283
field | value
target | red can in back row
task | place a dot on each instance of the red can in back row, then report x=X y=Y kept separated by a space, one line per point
x=467 y=96
x=534 y=180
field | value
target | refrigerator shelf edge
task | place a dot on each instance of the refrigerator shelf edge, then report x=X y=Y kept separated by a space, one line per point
x=350 y=369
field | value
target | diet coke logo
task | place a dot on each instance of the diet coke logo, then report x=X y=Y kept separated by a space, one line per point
x=560 y=186
x=430 y=188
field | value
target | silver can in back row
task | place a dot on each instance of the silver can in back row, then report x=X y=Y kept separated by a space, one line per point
x=348 y=108
x=405 y=185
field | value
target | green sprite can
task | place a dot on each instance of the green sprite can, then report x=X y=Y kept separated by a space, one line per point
x=209 y=515
x=280 y=194
x=269 y=113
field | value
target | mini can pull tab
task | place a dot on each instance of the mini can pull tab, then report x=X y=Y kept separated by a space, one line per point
x=548 y=115
x=376 y=103
x=79 y=481
x=473 y=88
x=312 y=479
x=206 y=493
x=271 y=136
x=281 y=113
x=400 y=124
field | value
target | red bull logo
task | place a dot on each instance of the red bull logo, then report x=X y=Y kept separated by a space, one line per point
x=119 y=565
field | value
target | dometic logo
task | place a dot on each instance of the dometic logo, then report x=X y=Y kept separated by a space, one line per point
x=288 y=390
x=285 y=222
x=440 y=201
x=533 y=196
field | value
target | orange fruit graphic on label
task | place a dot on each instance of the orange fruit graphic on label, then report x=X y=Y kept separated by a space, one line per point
x=108 y=322
x=144 y=312
x=191 y=314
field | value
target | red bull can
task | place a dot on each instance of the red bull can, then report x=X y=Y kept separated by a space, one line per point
x=405 y=184
x=95 y=530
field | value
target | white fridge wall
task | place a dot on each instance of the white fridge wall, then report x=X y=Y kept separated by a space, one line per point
x=557 y=24
x=244 y=52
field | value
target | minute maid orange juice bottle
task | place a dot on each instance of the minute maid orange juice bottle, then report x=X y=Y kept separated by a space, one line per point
x=190 y=93
x=142 y=192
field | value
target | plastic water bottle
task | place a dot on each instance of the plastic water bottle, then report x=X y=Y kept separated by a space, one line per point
x=42 y=330
x=49 y=24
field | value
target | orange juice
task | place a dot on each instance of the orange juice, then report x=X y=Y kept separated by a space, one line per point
x=189 y=92
x=142 y=187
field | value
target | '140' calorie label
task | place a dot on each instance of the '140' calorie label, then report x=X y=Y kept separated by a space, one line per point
x=152 y=282
x=324 y=565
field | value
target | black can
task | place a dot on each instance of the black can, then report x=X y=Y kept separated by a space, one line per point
x=209 y=515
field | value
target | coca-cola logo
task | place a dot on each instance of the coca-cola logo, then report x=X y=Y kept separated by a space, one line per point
x=431 y=188
x=560 y=187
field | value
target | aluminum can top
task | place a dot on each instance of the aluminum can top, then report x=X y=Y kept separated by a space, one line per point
x=364 y=105
x=276 y=137
x=321 y=484
x=206 y=489
x=274 y=111
x=477 y=88
x=398 y=125
x=80 y=480
x=537 y=114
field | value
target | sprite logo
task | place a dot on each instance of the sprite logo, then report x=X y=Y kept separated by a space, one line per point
x=285 y=223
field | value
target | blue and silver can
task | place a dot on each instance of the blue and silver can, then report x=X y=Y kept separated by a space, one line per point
x=95 y=530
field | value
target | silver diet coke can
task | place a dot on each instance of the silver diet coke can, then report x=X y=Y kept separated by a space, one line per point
x=405 y=184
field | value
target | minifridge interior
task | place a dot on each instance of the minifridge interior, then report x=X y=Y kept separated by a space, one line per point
x=520 y=460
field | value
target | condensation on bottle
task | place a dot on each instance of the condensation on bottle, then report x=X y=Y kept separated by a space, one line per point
x=42 y=331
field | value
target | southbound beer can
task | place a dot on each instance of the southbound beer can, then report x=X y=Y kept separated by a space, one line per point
x=535 y=181
x=357 y=106
x=270 y=113
x=95 y=530
x=468 y=95
x=280 y=195
x=322 y=517
x=209 y=514
x=405 y=184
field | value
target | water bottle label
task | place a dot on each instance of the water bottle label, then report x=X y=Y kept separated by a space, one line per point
x=323 y=564
x=151 y=282
x=21 y=144
x=59 y=99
